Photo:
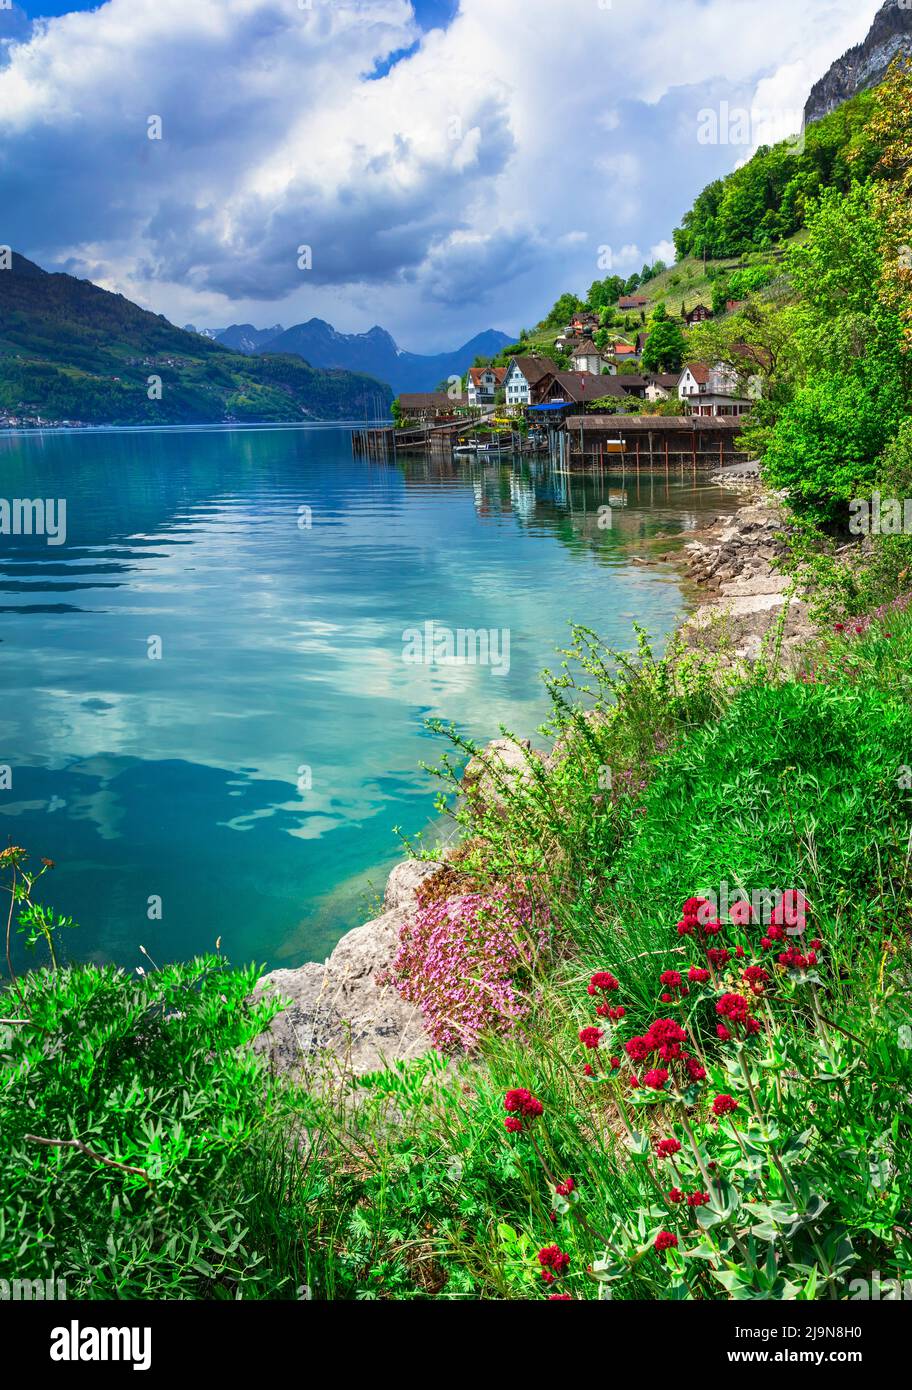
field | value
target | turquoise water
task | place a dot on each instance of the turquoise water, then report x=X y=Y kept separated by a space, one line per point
x=250 y=777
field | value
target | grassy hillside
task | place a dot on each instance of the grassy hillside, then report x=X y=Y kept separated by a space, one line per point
x=70 y=350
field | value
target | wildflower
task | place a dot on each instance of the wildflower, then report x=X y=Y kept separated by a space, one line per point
x=552 y=1217
x=697 y=1199
x=591 y=1037
x=752 y=1026
x=553 y=1261
x=638 y=1049
x=724 y=1105
x=524 y=1102
x=603 y=980
x=693 y=907
x=615 y=1063
x=656 y=1079
x=666 y=1240
x=816 y=944
x=522 y=1105
x=765 y=942
x=718 y=956
x=563 y=1189
x=588 y=1071
x=741 y=912
x=695 y=1071
x=664 y=1031
x=756 y=977
x=667 y=998
x=723 y=1032
x=697 y=975
x=794 y=959
x=839 y=627
x=560 y=1297
x=739 y=952
x=675 y=1195
x=734 y=1007
x=666 y=1148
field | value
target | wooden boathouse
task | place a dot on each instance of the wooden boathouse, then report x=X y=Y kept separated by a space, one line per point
x=654 y=441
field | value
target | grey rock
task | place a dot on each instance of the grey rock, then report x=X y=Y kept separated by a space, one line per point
x=337 y=1016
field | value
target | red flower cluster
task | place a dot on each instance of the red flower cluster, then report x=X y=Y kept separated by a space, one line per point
x=591 y=1037
x=697 y=918
x=603 y=980
x=697 y=1199
x=666 y=1240
x=667 y=1148
x=553 y=1261
x=757 y=978
x=563 y=1189
x=521 y=1105
x=698 y=976
x=794 y=959
x=724 y=1105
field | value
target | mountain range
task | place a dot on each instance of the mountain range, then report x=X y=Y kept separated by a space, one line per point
x=866 y=64
x=70 y=350
x=374 y=352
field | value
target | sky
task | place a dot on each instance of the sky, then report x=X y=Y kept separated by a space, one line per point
x=438 y=167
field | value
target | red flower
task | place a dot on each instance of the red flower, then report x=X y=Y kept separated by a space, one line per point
x=697 y=1199
x=552 y=1258
x=718 y=956
x=694 y=907
x=675 y=1195
x=694 y=1070
x=604 y=980
x=558 y=1297
x=741 y=913
x=563 y=1189
x=638 y=1049
x=723 y=1032
x=591 y=1037
x=524 y=1102
x=734 y=1007
x=671 y=979
x=666 y=1148
x=724 y=1105
x=615 y=1063
x=588 y=1071
x=816 y=944
x=752 y=1026
x=697 y=975
x=756 y=977
x=666 y=1240
x=513 y=1124
x=793 y=958
x=663 y=1032
x=656 y=1079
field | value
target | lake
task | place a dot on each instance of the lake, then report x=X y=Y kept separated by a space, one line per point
x=207 y=711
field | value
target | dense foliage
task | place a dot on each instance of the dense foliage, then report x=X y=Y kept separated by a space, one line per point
x=767 y=199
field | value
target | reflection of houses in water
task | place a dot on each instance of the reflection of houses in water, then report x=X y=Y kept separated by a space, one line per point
x=522 y=495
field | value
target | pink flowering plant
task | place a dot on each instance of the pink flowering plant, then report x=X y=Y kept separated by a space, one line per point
x=467 y=961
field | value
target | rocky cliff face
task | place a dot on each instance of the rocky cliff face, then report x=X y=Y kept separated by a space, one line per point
x=866 y=64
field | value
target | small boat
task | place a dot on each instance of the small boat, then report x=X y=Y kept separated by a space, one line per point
x=465 y=449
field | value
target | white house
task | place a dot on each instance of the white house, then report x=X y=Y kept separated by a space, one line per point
x=483 y=383
x=523 y=375
x=712 y=390
x=587 y=358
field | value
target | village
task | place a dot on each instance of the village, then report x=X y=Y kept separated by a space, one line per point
x=604 y=404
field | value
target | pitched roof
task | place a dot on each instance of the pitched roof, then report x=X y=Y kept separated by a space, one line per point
x=693 y=424
x=699 y=371
x=534 y=368
x=624 y=350
x=632 y=301
x=586 y=349
x=622 y=385
x=579 y=386
x=476 y=373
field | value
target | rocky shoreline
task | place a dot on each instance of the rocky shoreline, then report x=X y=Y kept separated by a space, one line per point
x=338 y=1018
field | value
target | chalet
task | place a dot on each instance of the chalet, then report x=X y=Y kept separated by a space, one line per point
x=587 y=358
x=428 y=405
x=698 y=314
x=712 y=390
x=632 y=303
x=522 y=376
x=579 y=388
x=584 y=322
x=625 y=384
x=483 y=384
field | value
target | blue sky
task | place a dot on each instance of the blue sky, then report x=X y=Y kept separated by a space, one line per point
x=438 y=169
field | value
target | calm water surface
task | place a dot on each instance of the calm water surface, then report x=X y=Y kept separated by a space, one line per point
x=281 y=649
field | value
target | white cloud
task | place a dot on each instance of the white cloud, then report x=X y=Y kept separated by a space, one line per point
x=487 y=168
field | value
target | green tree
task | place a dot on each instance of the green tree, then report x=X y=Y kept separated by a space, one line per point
x=665 y=348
